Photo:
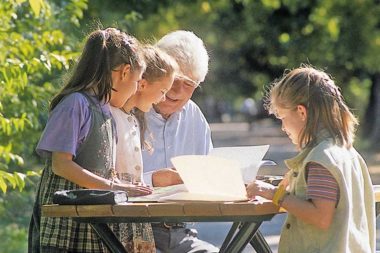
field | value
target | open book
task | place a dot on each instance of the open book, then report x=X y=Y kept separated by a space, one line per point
x=250 y=159
x=219 y=176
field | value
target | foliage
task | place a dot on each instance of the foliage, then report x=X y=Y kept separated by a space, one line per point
x=34 y=52
x=15 y=210
x=14 y=238
x=252 y=42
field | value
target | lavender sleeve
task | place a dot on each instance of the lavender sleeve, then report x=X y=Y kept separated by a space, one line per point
x=67 y=126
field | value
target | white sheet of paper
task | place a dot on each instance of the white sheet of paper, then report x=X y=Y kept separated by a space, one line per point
x=159 y=192
x=188 y=196
x=210 y=176
x=249 y=158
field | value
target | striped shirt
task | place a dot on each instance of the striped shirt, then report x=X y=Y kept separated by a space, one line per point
x=321 y=184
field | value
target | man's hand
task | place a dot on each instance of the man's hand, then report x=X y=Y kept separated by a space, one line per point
x=166 y=177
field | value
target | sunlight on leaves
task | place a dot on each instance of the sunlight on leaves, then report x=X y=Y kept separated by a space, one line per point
x=284 y=38
x=274 y=4
x=333 y=28
x=36 y=6
x=20 y=180
x=3 y=185
x=205 y=7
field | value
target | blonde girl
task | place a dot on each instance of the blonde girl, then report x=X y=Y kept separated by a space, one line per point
x=328 y=192
x=155 y=83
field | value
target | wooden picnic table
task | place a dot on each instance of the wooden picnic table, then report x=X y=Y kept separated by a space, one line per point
x=246 y=217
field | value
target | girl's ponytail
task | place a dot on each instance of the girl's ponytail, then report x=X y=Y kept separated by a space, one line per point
x=104 y=68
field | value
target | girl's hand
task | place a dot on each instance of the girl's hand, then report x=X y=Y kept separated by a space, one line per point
x=285 y=180
x=134 y=190
x=260 y=188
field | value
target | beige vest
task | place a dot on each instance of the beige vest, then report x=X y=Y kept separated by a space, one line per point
x=353 y=226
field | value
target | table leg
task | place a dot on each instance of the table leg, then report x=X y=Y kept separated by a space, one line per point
x=229 y=236
x=377 y=208
x=108 y=238
x=259 y=243
x=242 y=237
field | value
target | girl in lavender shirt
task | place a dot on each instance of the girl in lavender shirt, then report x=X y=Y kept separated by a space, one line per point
x=79 y=141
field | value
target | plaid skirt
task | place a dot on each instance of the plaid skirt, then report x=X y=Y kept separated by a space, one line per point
x=66 y=235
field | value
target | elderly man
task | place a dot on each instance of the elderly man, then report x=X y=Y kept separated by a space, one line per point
x=177 y=126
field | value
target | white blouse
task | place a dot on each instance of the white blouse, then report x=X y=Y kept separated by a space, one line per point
x=128 y=148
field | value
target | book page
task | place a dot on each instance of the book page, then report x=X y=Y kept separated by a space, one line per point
x=211 y=176
x=249 y=158
x=219 y=176
x=159 y=192
x=188 y=196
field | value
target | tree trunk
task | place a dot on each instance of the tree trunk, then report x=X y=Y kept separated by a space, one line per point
x=372 y=117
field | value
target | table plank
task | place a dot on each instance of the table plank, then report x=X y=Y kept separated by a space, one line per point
x=166 y=209
x=59 y=211
x=203 y=209
x=170 y=209
x=94 y=210
x=250 y=208
x=131 y=210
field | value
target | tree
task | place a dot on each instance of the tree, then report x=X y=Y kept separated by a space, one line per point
x=252 y=42
x=34 y=50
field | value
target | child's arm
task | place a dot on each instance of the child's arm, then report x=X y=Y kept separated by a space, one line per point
x=318 y=212
x=64 y=166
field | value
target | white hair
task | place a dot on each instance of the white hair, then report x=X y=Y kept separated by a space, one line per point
x=189 y=52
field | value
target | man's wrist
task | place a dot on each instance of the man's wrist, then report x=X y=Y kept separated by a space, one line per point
x=154 y=179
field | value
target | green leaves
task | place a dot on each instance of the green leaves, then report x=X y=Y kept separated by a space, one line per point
x=36 y=6
x=7 y=155
x=34 y=52
x=16 y=179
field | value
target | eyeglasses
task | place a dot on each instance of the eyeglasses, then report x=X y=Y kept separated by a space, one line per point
x=186 y=81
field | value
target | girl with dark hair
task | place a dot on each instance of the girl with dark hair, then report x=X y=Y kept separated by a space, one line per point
x=79 y=139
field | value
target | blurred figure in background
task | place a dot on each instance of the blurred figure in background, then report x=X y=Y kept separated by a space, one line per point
x=249 y=111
